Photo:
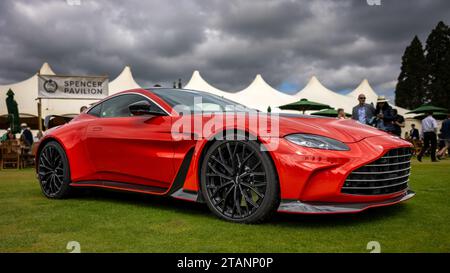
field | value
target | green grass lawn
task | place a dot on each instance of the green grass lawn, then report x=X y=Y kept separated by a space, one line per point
x=104 y=221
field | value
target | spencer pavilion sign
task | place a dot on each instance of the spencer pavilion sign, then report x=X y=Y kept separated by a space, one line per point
x=72 y=87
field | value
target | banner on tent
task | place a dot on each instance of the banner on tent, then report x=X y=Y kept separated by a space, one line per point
x=72 y=87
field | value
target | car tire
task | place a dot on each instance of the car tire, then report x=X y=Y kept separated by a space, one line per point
x=53 y=171
x=239 y=171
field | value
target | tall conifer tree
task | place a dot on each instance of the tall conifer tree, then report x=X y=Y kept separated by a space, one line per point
x=438 y=58
x=410 y=91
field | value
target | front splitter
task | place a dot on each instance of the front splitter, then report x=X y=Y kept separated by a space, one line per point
x=333 y=208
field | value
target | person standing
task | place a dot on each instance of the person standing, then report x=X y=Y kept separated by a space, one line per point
x=5 y=135
x=26 y=135
x=414 y=137
x=414 y=133
x=363 y=112
x=384 y=117
x=341 y=114
x=445 y=131
x=398 y=123
x=429 y=128
x=11 y=136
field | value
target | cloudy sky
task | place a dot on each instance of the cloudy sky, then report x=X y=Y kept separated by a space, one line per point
x=229 y=41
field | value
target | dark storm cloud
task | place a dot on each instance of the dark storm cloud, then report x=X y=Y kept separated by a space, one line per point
x=341 y=42
x=273 y=19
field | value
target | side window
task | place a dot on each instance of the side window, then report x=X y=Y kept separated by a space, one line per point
x=95 y=111
x=118 y=106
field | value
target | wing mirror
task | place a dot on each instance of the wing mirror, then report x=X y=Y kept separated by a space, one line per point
x=55 y=120
x=144 y=107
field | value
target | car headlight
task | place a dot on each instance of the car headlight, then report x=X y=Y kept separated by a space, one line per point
x=317 y=142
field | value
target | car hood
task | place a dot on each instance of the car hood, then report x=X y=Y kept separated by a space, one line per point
x=345 y=130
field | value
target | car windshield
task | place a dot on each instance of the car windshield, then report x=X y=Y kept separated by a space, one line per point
x=198 y=101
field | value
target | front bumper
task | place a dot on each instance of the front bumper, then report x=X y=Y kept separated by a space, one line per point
x=295 y=206
x=318 y=176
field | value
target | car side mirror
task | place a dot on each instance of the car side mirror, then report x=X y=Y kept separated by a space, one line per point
x=144 y=107
x=54 y=121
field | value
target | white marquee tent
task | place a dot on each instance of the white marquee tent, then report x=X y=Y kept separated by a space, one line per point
x=198 y=83
x=260 y=95
x=26 y=93
x=124 y=81
x=364 y=88
x=315 y=91
x=371 y=97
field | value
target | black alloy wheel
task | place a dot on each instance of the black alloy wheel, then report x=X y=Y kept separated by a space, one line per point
x=53 y=171
x=238 y=181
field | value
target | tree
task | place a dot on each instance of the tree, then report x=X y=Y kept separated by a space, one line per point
x=410 y=91
x=438 y=58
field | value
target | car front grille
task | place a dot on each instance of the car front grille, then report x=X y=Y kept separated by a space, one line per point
x=388 y=174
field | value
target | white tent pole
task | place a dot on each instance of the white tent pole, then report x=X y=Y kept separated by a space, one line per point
x=39 y=110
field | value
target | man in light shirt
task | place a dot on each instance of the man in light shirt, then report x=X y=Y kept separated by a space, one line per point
x=428 y=133
x=363 y=112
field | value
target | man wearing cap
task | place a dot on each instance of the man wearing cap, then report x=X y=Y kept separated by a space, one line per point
x=429 y=129
x=363 y=112
x=26 y=135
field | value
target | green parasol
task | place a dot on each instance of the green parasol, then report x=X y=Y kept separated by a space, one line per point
x=436 y=115
x=329 y=113
x=304 y=105
x=425 y=108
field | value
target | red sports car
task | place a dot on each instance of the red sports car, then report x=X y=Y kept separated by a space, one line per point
x=174 y=142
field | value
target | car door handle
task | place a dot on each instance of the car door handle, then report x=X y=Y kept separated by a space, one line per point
x=97 y=129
